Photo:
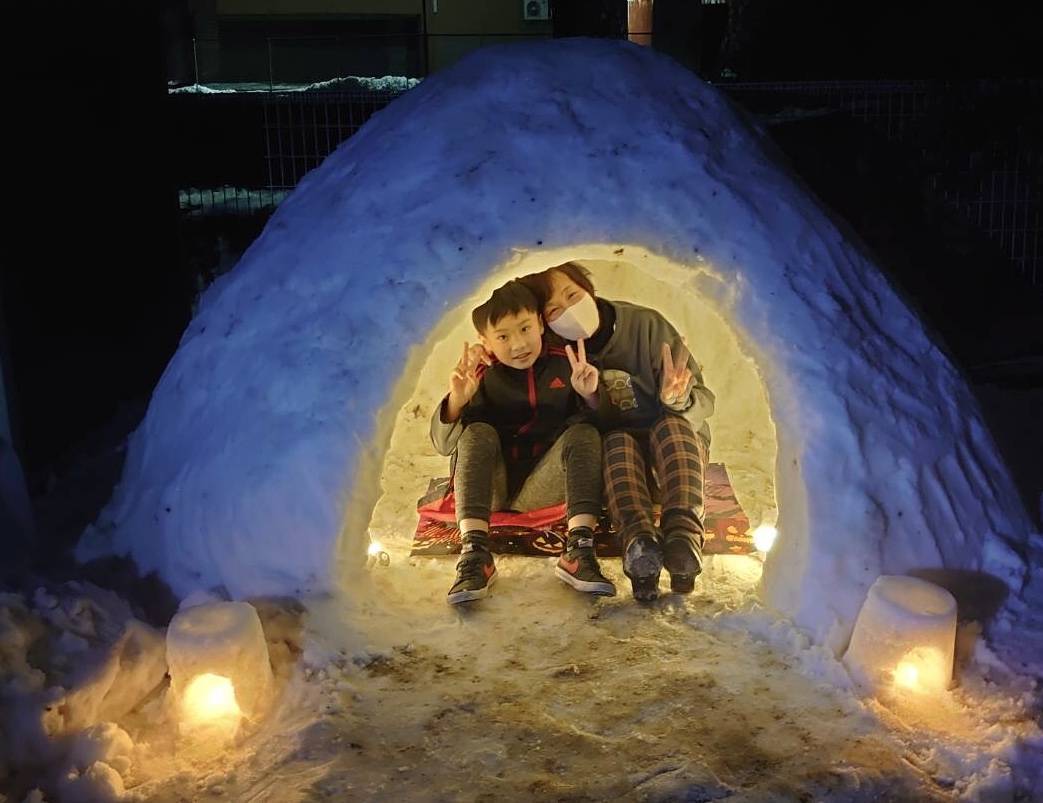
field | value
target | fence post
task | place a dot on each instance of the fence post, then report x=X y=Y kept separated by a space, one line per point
x=271 y=80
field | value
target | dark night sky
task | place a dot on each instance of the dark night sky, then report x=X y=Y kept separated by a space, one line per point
x=831 y=39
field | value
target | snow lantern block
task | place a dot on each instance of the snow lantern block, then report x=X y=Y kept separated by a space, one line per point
x=219 y=665
x=905 y=634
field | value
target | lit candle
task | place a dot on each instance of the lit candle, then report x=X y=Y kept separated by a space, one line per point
x=208 y=698
x=905 y=634
x=764 y=537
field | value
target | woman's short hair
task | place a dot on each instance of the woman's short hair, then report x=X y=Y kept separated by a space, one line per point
x=539 y=283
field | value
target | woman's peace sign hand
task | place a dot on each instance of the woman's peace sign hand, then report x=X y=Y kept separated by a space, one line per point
x=584 y=375
x=676 y=375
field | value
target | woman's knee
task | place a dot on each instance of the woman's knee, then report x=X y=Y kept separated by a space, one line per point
x=619 y=439
x=671 y=424
x=672 y=436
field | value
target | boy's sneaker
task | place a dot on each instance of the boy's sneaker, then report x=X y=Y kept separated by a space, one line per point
x=475 y=572
x=578 y=565
x=642 y=563
x=683 y=558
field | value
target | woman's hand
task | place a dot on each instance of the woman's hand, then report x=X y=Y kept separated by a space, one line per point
x=463 y=382
x=676 y=375
x=584 y=375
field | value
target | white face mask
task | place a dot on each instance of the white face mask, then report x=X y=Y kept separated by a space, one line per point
x=579 y=320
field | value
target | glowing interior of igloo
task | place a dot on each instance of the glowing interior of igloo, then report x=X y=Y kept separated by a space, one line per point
x=742 y=429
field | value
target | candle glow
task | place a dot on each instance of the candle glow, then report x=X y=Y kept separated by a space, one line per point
x=210 y=698
x=764 y=537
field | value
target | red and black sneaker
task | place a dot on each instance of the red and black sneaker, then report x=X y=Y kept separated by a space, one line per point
x=475 y=572
x=578 y=565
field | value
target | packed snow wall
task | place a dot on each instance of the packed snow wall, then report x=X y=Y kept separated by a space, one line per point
x=264 y=439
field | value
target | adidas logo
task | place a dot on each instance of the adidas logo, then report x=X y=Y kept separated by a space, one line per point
x=556 y=383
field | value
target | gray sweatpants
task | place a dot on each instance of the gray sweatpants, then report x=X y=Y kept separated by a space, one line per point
x=569 y=471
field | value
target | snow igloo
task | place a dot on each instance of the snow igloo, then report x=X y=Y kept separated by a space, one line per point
x=293 y=418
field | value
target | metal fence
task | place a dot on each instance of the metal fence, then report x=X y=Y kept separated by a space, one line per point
x=894 y=107
x=995 y=186
x=1004 y=203
x=241 y=153
x=302 y=128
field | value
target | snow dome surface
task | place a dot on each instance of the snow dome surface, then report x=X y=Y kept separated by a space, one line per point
x=259 y=455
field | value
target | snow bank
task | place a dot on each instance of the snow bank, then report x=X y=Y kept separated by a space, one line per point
x=358 y=83
x=263 y=440
x=72 y=661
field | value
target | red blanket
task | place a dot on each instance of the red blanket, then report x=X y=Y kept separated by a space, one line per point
x=542 y=532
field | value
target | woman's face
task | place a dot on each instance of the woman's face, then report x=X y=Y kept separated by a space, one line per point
x=563 y=294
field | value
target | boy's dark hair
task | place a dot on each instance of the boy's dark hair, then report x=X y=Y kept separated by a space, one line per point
x=510 y=299
x=539 y=283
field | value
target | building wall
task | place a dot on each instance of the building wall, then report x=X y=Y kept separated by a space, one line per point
x=301 y=8
x=460 y=26
x=454 y=27
x=303 y=41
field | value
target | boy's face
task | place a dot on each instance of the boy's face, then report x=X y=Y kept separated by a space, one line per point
x=516 y=340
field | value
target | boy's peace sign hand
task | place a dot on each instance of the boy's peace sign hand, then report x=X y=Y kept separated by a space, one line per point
x=676 y=375
x=584 y=375
x=463 y=383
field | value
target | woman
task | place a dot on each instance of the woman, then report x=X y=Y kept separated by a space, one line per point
x=653 y=408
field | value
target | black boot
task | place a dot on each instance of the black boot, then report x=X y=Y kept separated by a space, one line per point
x=683 y=558
x=682 y=547
x=475 y=571
x=642 y=563
x=578 y=565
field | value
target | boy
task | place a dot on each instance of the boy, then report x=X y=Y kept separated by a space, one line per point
x=521 y=441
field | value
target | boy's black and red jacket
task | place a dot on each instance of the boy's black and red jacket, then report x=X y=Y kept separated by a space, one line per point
x=528 y=408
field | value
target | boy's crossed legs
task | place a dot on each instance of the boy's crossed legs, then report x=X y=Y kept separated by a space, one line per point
x=572 y=464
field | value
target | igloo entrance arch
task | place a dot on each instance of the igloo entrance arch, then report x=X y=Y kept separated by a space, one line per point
x=265 y=437
x=692 y=297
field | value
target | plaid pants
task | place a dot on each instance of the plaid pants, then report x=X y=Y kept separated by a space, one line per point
x=677 y=457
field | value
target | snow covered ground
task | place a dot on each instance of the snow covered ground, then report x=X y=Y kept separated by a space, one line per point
x=542 y=693
x=538 y=692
